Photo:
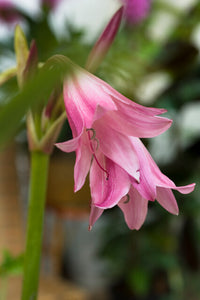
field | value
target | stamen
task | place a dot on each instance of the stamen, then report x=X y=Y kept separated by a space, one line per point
x=127 y=199
x=93 y=137
x=97 y=141
x=93 y=132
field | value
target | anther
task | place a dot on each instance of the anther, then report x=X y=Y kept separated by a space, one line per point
x=93 y=133
x=127 y=199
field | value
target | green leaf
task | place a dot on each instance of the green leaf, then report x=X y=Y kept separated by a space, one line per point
x=34 y=94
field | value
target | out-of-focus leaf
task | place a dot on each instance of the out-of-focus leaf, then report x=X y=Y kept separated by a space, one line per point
x=35 y=92
x=6 y=75
x=11 y=265
x=21 y=50
x=139 y=280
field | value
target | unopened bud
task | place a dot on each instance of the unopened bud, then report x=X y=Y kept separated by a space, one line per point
x=22 y=52
x=104 y=42
x=31 y=63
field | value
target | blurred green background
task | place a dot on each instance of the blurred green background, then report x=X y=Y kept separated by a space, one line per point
x=156 y=63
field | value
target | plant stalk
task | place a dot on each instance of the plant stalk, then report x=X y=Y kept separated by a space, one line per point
x=37 y=197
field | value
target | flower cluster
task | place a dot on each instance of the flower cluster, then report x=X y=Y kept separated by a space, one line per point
x=106 y=128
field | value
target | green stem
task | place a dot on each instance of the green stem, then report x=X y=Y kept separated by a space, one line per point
x=37 y=197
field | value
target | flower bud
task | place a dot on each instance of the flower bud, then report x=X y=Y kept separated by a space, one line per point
x=22 y=53
x=104 y=42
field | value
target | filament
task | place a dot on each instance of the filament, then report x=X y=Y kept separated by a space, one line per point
x=93 y=137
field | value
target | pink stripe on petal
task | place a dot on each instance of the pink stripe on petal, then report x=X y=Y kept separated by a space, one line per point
x=166 y=199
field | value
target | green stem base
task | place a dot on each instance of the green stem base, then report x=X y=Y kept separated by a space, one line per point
x=37 y=197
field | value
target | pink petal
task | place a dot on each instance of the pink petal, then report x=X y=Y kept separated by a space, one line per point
x=117 y=147
x=95 y=213
x=74 y=115
x=117 y=97
x=151 y=111
x=79 y=144
x=131 y=121
x=107 y=192
x=146 y=187
x=135 y=210
x=166 y=198
x=157 y=176
x=186 y=189
x=162 y=180
x=84 y=96
x=69 y=146
x=83 y=161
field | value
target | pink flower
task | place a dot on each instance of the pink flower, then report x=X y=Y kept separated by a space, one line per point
x=105 y=127
x=8 y=12
x=89 y=102
x=153 y=185
x=136 y=11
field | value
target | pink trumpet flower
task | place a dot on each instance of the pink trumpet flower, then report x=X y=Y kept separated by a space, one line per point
x=106 y=127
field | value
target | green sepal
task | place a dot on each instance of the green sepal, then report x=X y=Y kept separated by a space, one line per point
x=22 y=52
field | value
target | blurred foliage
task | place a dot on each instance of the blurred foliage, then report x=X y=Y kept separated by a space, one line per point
x=11 y=265
x=162 y=260
x=34 y=93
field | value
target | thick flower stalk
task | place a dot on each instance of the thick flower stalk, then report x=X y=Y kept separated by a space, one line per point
x=106 y=128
